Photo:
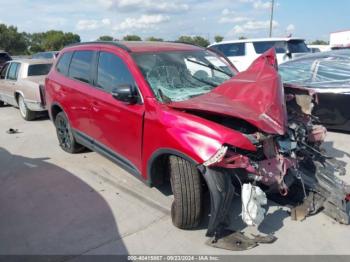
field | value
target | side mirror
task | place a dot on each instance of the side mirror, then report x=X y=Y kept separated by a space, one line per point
x=125 y=93
x=289 y=54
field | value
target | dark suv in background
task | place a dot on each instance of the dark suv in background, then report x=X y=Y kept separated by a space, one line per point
x=4 y=57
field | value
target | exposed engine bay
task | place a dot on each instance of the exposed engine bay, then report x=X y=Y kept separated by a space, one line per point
x=291 y=166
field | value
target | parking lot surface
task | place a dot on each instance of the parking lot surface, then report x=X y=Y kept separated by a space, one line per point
x=52 y=202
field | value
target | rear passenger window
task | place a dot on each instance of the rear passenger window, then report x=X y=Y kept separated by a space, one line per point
x=237 y=49
x=13 y=72
x=63 y=63
x=112 y=72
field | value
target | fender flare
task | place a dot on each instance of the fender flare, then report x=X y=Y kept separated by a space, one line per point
x=165 y=151
x=51 y=107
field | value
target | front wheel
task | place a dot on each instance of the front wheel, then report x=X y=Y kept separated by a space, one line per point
x=186 y=185
x=26 y=114
x=65 y=135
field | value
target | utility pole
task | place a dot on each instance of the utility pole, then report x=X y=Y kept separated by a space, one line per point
x=271 y=18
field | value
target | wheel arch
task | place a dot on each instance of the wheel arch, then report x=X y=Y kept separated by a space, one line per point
x=157 y=171
x=16 y=95
x=54 y=110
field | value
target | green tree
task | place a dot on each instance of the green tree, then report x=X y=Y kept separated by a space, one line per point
x=132 y=38
x=242 y=38
x=52 y=40
x=12 y=41
x=105 y=38
x=218 y=38
x=155 y=39
x=195 y=40
x=319 y=42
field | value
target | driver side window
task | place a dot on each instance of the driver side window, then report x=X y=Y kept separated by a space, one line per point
x=112 y=72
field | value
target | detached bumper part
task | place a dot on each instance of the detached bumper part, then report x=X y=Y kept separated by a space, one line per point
x=326 y=192
x=221 y=193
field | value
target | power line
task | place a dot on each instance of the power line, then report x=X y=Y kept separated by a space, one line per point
x=271 y=18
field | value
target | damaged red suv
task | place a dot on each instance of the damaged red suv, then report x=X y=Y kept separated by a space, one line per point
x=180 y=114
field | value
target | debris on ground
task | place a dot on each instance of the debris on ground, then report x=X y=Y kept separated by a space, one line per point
x=12 y=131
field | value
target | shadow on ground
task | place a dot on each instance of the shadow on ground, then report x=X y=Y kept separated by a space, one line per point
x=332 y=151
x=74 y=218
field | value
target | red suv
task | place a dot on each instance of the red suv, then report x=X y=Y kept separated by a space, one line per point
x=181 y=114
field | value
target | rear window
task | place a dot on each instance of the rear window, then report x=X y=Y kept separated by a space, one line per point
x=63 y=63
x=237 y=49
x=333 y=71
x=39 y=70
x=80 y=67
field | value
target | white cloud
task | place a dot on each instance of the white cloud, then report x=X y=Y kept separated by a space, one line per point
x=290 y=28
x=262 y=5
x=251 y=26
x=143 y=22
x=92 y=24
x=259 y=25
x=227 y=12
x=87 y=25
x=160 y=6
x=230 y=16
x=237 y=19
x=106 y=21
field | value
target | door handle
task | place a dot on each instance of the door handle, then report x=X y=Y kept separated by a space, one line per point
x=95 y=106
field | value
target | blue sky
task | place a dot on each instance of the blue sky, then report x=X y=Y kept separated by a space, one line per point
x=312 y=19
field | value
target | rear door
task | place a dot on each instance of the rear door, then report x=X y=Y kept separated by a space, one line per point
x=117 y=125
x=76 y=90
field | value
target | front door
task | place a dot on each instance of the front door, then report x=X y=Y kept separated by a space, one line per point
x=118 y=126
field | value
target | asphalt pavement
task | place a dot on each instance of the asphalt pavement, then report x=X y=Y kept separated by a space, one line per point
x=52 y=202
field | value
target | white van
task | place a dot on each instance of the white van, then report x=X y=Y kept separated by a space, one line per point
x=243 y=52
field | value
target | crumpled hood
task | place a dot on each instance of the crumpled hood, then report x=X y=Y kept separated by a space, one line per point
x=255 y=95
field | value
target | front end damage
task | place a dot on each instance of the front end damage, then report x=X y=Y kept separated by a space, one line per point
x=291 y=166
x=288 y=162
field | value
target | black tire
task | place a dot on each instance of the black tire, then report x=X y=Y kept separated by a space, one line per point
x=65 y=135
x=25 y=113
x=2 y=103
x=186 y=185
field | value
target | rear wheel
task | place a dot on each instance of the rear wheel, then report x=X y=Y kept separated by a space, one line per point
x=2 y=103
x=65 y=135
x=23 y=109
x=186 y=185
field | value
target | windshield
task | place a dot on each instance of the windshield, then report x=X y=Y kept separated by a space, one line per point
x=39 y=70
x=178 y=76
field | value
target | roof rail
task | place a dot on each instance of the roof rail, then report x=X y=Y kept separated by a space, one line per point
x=113 y=43
x=186 y=43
